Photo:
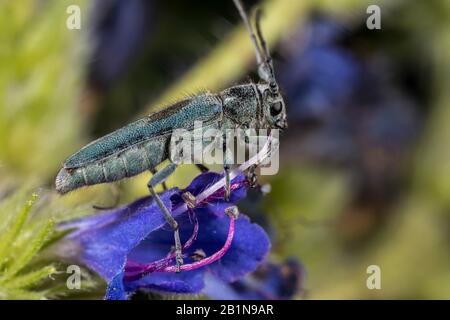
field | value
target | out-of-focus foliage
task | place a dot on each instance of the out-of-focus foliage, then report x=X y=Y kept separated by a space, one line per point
x=27 y=227
x=19 y=245
x=40 y=70
x=412 y=244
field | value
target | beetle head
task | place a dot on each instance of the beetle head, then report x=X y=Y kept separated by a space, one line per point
x=273 y=107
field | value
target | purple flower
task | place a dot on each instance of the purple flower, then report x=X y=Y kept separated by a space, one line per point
x=319 y=76
x=119 y=28
x=131 y=247
x=270 y=282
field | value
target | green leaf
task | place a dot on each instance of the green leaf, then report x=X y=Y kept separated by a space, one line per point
x=30 y=250
x=30 y=279
x=11 y=232
x=27 y=269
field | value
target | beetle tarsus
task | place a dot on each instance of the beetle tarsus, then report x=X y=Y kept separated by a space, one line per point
x=202 y=167
x=252 y=177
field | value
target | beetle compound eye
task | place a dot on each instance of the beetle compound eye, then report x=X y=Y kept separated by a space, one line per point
x=276 y=108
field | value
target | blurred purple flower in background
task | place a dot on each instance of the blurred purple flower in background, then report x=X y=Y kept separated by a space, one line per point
x=131 y=247
x=319 y=77
x=346 y=109
x=270 y=282
x=118 y=29
x=347 y=92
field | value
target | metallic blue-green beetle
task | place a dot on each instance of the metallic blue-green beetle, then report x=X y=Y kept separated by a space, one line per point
x=144 y=144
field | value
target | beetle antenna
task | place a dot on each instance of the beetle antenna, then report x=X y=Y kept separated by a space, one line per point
x=259 y=33
x=259 y=55
x=263 y=59
x=267 y=69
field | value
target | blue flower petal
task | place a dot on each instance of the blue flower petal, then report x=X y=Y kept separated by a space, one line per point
x=248 y=249
x=216 y=288
x=101 y=219
x=203 y=181
x=138 y=233
x=105 y=248
x=183 y=282
x=116 y=289
x=270 y=282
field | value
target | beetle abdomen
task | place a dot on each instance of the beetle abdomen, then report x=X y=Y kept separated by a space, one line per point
x=182 y=115
x=128 y=163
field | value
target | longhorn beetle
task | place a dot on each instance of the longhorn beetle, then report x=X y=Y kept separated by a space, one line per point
x=144 y=144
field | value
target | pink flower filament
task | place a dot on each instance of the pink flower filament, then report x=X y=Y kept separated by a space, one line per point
x=135 y=270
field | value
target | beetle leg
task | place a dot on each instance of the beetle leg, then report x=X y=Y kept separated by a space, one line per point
x=154 y=171
x=252 y=177
x=202 y=168
x=160 y=177
x=226 y=168
x=227 y=193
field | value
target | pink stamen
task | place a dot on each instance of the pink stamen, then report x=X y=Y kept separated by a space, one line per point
x=264 y=153
x=136 y=270
x=208 y=260
x=193 y=237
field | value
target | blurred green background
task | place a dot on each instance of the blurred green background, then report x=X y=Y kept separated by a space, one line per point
x=365 y=164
